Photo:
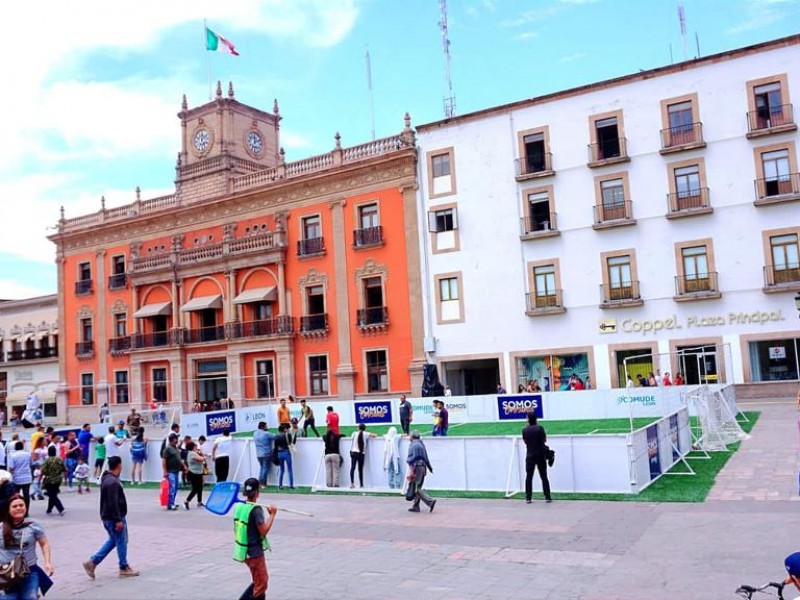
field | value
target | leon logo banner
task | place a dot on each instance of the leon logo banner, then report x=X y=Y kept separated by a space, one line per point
x=379 y=411
x=217 y=422
x=517 y=406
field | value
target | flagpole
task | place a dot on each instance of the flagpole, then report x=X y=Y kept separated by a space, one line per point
x=208 y=62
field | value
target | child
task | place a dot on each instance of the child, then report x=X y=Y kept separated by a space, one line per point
x=82 y=475
x=36 y=485
x=99 y=457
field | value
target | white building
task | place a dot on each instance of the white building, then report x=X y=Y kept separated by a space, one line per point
x=648 y=214
x=29 y=354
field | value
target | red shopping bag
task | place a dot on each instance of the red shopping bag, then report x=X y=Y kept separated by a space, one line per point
x=163 y=496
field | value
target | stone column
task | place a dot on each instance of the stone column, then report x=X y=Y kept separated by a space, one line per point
x=235 y=385
x=62 y=391
x=136 y=385
x=228 y=308
x=413 y=267
x=177 y=384
x=102 y=320
x=281 y=288
x=345 y=371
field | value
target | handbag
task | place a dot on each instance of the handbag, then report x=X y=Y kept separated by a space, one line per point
x=275 y=460
x=550 y=455
x=15 y=571
x=205 y=469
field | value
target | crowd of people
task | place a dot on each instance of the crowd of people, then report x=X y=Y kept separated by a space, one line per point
x=654 y=380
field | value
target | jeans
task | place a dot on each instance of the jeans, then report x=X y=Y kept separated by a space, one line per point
x=309 y=423
x=394 y=476
x=264 y=463
x=285 y=457
x=27 y=589
x=71 y=463
x=539 y=463
x=116 y=539
x=53 y=500
x=174 y=479
x=333 y=466
x=357 y=460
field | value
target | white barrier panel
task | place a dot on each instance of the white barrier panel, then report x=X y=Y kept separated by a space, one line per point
x=656 y=448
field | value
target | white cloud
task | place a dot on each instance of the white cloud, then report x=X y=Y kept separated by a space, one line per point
x=14 y=290
x=295 y=141
x=758 y=14
x=527 y=35
x=571 y=57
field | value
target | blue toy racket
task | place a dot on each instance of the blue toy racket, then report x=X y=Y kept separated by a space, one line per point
x=226 y=493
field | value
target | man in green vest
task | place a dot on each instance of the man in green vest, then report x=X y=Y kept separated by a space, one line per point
x=250 y=530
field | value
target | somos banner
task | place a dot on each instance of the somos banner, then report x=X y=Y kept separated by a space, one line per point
x=517 y=407
x=379 y=411
x=219 y=421
x=652 y=451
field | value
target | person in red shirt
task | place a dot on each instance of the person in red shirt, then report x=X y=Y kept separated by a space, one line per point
x=666 y=380
x=678 y=379
x=332 y=420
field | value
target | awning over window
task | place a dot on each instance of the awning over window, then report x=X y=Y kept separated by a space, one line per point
x=27 y=337
x=154 y=310
x=202 y=303
x=21 y=398
x=263 y=294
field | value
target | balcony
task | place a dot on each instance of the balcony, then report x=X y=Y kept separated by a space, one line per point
x=770 y=120
x=782 y=278
x=314 y=325
x=372 y=319
x=776 y=190
x=32 y=354
x=368 y=237
x=118 y=281
x=84 y=350
x=154 y=339
x=533 y=167
x=688 y=204
x=539 y=305
x=608 y=152
x=119 y=345
x=283 y=325
x=533 y=228
x=617 y=214
x=621 y=295
x=204 y=334
x=702 y=286
x=83 y=287
x=681 y=138
x=311 y=246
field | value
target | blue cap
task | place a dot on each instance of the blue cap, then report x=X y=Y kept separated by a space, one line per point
x=792 y=564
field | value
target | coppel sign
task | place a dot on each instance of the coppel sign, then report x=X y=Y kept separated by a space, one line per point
x=217 y=422
x=373 y=412
x=517 y=407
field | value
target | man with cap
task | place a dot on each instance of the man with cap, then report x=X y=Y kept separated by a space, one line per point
x=250 y=530
x=172 y=465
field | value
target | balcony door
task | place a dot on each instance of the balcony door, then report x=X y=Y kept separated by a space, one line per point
x=777 y=173
x=608 y=145
x=619 y=278
x=212 y=380
x=769 y=105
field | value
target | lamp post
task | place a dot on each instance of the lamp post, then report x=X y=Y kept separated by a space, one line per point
x=797 y=303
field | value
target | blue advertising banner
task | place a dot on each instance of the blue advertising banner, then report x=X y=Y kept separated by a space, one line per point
x=652 y=451
x=217 y=422
x=517 y=407
x=674 y=437
x=379 y=411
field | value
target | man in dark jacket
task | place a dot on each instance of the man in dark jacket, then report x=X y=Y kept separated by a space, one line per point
x=113 y=510
x=535 y=439
x=418 y=465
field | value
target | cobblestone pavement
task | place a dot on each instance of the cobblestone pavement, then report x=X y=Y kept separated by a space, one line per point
x=371 y=547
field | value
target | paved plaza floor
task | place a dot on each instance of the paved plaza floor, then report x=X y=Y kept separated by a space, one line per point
x=371 y=547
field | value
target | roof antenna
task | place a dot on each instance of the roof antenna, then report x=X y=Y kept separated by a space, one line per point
x=682 y=19
x=450 y=99
x=369 y=88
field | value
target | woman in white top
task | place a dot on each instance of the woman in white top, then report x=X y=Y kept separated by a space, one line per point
x=391 y=457
x=221 y=455
x=358 y=449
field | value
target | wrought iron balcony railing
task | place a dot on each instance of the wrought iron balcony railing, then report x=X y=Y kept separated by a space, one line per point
x=682 y=135
x=370 y=236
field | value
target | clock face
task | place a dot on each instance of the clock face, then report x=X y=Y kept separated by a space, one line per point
x=254 y=142
x=202 y=139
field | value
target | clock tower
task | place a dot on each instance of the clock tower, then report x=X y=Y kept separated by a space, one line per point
x=221 y=140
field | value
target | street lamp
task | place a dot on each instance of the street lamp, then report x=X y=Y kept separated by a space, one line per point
x=797 y=303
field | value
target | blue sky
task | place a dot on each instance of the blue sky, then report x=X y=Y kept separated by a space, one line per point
x=93 y=88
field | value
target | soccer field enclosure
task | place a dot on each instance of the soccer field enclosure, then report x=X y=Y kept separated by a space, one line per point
x=610 y=460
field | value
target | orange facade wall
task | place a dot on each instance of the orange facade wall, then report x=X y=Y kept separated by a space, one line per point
x=70 y=330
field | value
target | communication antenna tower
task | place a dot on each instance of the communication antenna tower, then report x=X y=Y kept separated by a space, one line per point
x=682 y=20
x=450 y=99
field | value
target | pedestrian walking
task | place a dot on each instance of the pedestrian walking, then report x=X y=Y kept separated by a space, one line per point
x=113 y=513
x=308 y=418
x=358 y=453
x=195 y=461
x=82 y=472
x=72 y=452
x=53 y=471
x=418 y=467
x=20 y=468
x=406 y=414
x=281 y=446
x=221 y=455
x=535 y=439
x=21 y=535
x=333 y=459
x=391 y=458
x=264 y=441
x=38 y=456
x=172 y=466
x=250 y=529
x=138 y=455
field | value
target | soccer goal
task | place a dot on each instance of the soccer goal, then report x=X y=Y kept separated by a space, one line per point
x=160 y=418
x=716 y=416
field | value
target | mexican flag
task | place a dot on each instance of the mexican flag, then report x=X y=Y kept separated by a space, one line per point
x=217 y=43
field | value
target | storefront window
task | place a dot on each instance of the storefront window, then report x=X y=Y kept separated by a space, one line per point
x=552 y=371
x=774 y=360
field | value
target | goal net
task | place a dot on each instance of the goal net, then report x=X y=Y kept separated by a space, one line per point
x=153 y=420
x=716 y=415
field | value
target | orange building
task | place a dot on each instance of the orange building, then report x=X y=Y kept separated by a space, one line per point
x=256 y=279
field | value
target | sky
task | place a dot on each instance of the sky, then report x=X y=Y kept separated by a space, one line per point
x=93 y=87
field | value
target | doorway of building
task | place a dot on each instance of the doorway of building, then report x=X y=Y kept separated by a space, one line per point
x=698 y=364
x=212 y=381
x=472 y=377
x=640 y=362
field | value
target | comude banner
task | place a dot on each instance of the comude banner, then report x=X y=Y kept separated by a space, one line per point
x=516 y=407
x=217 y=422
x=379 y=411
x=652 y=451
